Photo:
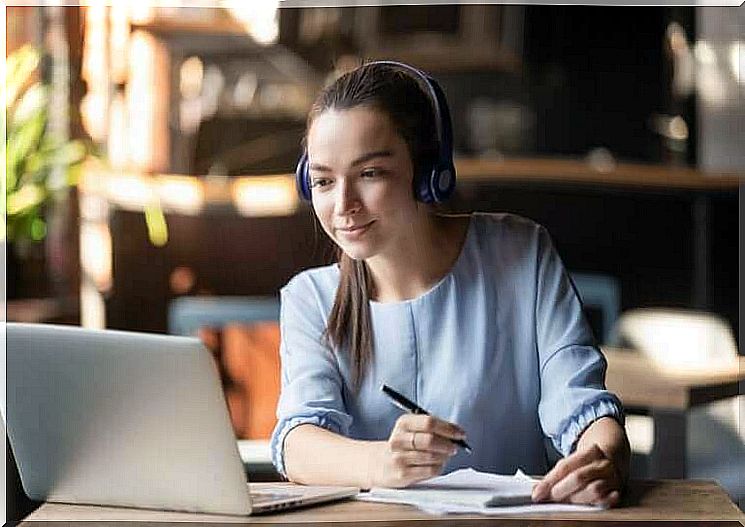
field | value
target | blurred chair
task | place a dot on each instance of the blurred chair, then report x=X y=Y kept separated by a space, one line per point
x=243 y=335
x=678 y=338
x=600 y=295
x=187 y=314
x=688 y=339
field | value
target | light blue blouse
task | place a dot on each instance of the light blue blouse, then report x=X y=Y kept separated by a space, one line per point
x=499 y=346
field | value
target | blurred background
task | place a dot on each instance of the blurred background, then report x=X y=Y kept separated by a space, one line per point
x=150 y=153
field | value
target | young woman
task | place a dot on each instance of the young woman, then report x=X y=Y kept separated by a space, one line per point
x=473 y=317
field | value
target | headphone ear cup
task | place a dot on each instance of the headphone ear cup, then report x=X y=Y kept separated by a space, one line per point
x=302 y=178
x=423 y=187
x=437 y=185
x=442 y=182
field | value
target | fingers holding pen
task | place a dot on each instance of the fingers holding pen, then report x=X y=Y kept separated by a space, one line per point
x=431 y=425
x=425 y=433
x=417 y=449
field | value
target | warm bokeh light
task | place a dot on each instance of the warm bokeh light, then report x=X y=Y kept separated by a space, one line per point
x=183 y=194
x=265 y=196
x=129 y=191
x=92 y=307
x=704 y=53
x=141 y=11
x=96 y=254
x=678 y=129
x=118 y=41
x=147 y=102
x=190 y=77
x=94 y=70
x=117 y=144
x=93 y=115
x=259 y=19
x=182 y=280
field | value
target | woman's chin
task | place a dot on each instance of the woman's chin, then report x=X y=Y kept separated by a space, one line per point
x=357 y=249
x=356 y=252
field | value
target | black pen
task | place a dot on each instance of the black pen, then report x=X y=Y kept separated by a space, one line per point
x=411 y=407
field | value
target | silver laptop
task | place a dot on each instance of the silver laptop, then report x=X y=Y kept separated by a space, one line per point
x=129 y=419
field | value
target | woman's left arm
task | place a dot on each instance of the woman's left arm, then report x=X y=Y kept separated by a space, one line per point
x=595 y=472
x=576 y=411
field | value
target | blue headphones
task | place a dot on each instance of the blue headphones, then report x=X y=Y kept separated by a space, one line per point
x=435 y=184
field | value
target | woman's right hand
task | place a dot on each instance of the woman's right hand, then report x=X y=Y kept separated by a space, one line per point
x=417 y=449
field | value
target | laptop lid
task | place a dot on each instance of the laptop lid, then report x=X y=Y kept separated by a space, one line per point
x=119 y=418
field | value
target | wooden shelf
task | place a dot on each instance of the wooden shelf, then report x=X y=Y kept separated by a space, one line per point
x=558 y=170
x=191 y=26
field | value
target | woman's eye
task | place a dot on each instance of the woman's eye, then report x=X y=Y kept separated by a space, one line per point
x=319 y=182
x=372 y=172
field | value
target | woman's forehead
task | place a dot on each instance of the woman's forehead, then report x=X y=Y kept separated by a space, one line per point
x=359 y=126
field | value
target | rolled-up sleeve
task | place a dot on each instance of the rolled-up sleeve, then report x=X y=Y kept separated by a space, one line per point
x=572 y=368
x=311 y=391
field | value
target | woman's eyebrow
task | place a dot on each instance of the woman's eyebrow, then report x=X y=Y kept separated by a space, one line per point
x=362 y=159
x=372 y=155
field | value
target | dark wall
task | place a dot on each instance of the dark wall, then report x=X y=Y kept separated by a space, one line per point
x=228 y=254
x=598 y=74
x=590 y=77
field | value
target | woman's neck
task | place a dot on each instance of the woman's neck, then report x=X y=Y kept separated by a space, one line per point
x=431 y=251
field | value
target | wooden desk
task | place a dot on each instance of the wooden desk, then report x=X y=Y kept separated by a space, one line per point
x=700 y=501
x=667 y=395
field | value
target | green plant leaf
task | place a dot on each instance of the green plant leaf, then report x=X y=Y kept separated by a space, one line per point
x=69 y=153
x=33 y=100
x=157 y=228
x=19 y=66
x=32 y=153
x=22 y=141
x=38 y=229
x=11 y=178
x=73 y=174
x=25 y=198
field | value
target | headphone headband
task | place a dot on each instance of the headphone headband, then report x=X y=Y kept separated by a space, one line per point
x=437 y=183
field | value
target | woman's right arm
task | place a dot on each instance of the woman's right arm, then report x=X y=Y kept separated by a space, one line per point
x=310 y=443
x=316 y=456
x=417 y=449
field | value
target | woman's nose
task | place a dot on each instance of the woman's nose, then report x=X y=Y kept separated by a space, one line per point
x=347 y=199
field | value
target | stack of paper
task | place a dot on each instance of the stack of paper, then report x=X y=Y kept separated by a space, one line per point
x=470 y=491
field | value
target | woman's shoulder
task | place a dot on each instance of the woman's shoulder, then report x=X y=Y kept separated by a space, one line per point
x=505 y=227
x=321 y=281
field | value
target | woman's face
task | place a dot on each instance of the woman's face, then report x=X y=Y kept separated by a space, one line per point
x=361 y=181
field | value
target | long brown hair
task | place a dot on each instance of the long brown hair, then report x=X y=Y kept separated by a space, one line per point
x=399 y=95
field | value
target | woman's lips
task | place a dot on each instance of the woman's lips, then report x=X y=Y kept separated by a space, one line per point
x=354 y=231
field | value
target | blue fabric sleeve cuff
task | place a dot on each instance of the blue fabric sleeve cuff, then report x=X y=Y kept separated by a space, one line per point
x=607 y=406
x=325 y=420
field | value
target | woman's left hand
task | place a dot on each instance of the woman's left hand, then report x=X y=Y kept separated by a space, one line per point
x=587 y=476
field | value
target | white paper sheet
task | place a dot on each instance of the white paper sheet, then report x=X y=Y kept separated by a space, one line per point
x=468 y=491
